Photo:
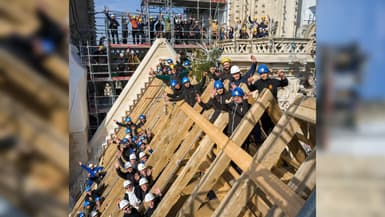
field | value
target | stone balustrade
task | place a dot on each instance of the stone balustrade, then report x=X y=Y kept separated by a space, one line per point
x=267 y=46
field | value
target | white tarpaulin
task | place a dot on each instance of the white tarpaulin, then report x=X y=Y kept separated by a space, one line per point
x=78 y=112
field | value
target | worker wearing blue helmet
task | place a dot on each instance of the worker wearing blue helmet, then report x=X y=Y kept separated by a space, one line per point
x=190 y=92
x=93 y=197
x=217 y=100
x=127 y=122
x=142 y=120
x=237 y=109
x=177 y=94
x=265 y=82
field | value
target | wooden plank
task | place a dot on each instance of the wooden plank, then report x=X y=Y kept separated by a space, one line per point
x=242 y=190
x=174 y=165
x=301 y=112
x=304 y=179
x=190 y=169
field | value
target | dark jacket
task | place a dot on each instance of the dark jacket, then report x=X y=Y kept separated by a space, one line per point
x=134 y=213
x=150 y=211
x=236 y=113
x=271 y=83
x=113 y=22
x=127 y=175
x=218 y=103
x=177 y=95
x=189 y=94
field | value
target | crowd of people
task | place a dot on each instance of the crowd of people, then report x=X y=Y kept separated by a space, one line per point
x=185 y=29
x=231 y=94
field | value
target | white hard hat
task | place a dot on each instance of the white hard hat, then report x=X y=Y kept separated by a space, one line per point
x=142 y=154
x=90 y=165
x=127 y=165
x=141 y=167
x=132 y=156
x=234 y=70
x=94 y=213
x=123 y=203
x=112 y=15
x=149 y=197
x=143 y=181
x=126 y=183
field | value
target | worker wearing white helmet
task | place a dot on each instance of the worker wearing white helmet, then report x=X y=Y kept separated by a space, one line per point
x=236 y=77
x=132 y=194
x=152 y=200
x=128 y=210
x=144 y=188
x=127 y=172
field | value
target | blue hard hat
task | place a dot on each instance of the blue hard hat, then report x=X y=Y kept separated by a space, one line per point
x=88 y=188
x=262 y=69
x=128 y=119
x=185 y=80
x=139 y=143
x=169 y=60
x=86 y=203
x=125 y=140
x=82 y=214
x=128 y=130
x=186 y=63
x=173 y=83
x=142 y=117
x=237 y=92
x=218 y=84
x=134 y=138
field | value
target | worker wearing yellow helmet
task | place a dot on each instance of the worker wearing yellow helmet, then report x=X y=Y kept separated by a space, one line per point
x=226 y=65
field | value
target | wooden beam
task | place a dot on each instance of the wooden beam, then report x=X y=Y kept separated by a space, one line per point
x=304 y=179
x=303 y=108
x=174 y=163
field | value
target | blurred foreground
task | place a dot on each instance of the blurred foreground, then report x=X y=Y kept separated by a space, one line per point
x=33 y=108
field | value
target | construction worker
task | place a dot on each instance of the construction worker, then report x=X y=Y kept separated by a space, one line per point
x=270 y=84
x=226 y=66
x=128 y=210
x=144 y=188
x=237 y=79
x=145 y=172
x=132 y=194
x=265 y=82
x=177 y=94
x=190 y=91
x=142 y=121
x=94 y=173
x=178 y=29
x=127 y=123
x=218 y=74
x=152 y=28
x=93 y=197
x=113 y=26
x=127 y=173
x=254 y=22
x=243 y=34
x=135 y=28
x=237 y=108
x=217 y=101
x=186 y=28
x=141 y=26
x=94 y=213
x=152 y=200
x=167 y=28
x=214 y=27
x=124 y=21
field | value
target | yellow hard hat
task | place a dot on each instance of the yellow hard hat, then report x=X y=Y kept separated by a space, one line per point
x=254 y=29
x=255 y=17
x=263 y=17
x=133 y=17
x=225 y=59
x=140 y=19
x=243 y=28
